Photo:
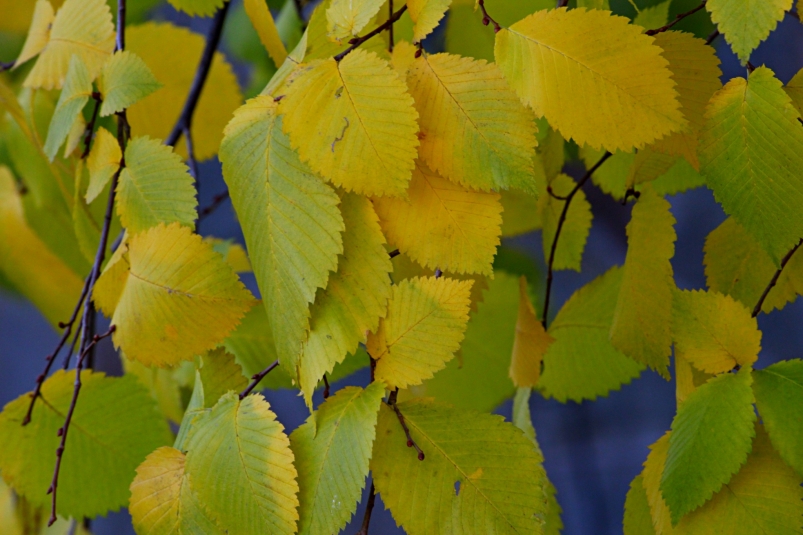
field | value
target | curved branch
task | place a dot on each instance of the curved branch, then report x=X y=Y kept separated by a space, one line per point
x=775 y=277
x=677 y=19
x=357 y=41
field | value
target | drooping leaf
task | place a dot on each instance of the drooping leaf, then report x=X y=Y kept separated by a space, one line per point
x=653 y=16
x=764 y=497
x=573 y=236
x=426 y=14
x=345 y=18
x=750 y=150
x=162 y=502
x=637 y=519
x=103 y=161
x=354 y=299
x=746 y=23
x=474 y=130
x=442 y=224
x=220 y=374
x=114 y=426
x=714 y=332
x=611 y=88
x=737 y=265
x=38 y=33
x=290 y=219
x=647 y=166
x=202 y=8
x=192 y=297
x=125 y=80
x=82 y=28
x=642 y=321
x=332 y=451
x=156 y=115
x=155 y=187
x=531 y=343
x=779 y=391
x=242 y=469
x=520 y=213
x=73 y=98
x=582 y=363
x=424 y=325
x=687 y=378
x=711 y=437
x=265 y=27
x=479 y=474
x=354 y=123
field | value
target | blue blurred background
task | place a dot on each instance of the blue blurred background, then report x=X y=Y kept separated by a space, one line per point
x=593 y=449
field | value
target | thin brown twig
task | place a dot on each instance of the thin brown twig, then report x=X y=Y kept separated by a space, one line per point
x=90 y=127
x=357 y=41
x=216 y=202
x=369 y=508
x=562 y=3
x=712 y=37
x=678 y=18
x=410 y=442
x=256 y=378
x=785 y=260
x=486 y=18
x=325 y=387
x=555 y=195
x=73 y=344
x=390 y=30
x=561 y=222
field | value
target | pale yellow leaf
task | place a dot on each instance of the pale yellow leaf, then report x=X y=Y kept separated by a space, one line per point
x=265 y=27
x=102 y=162
x=426 y=15
x=345 y=18
x=38 y=33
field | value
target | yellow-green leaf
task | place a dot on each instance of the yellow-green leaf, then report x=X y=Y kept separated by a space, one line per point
x=73 y=98
x=442 y=224
x=642 y=322
x=474 y=130
x=610 y=88
x=354 y=123
x=202 y=8
x=637 y=519
x=426 y=15
x=125 y=80
x=265 y=27
x=220 y=374
x=652 y=474
x=713 y=331
x=751 y=150
x=180 y=297
x=573 y=236
x=423 y=328
x=779 y=391
x=155 y=187
x=241 y=467
x=345 y=18
x=290 y=220
x=103 y=161
x=745 y=23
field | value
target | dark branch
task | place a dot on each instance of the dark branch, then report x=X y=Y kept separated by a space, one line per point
x=390 y=30
x=325 y=387
x=563 y=3
x=555 y=195
x=712 y=37
x=677 y=19
x=90 y=128
x=357 y=41
x=6 y=66
x=191 y=162
x=69 y=354
x=121 y=24
x=369 y=508
x=216 y=202
x=410 y=442
x=184 y=121
x=394 y=253
x=561 y=222
x=256 y=378
x=486 y=18
x=774 y=281
x=63 y=430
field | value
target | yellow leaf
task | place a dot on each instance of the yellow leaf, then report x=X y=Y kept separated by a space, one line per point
x=155 y=115
x=38 y=33
x=648 y=165
x=109 y=287
x=572 y=242
x=402 y=58
x=642 y=321
x=180 y=297
x=28 y=264
x=220 y=374
x=695 y=69
x=794 y=88
x=530 y=344
x=103 y=161
x=426 y=15
x=81 y=27
x=125 y=80
x=713 y=331
x=354 y=123
x=443 y=225
x=345 y=18
x=203 y=8
x=423 y=328
x=596 y=78
x=653 y=471
x=474 y=130
x=262 y=21
x=319 y=46
x=687 y=377
x=354 y=299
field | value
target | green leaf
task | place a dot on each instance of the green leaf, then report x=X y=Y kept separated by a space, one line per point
x=241 y=467
x=220 y=374
x=745 y=23
x=332 y=451
x=653 y=16
x=202 y=8
x=114 y=426
x=779 y=398
x=751 y=151
x=354 y=300
x=582 y=363
x=711 y=437
x=642 y=322
x=637 y=510
x=155 y=187
x=764 y=497
x=74 y=96
x=573 y=236
x=290 y=219
x=480 y=473
x=125 y=80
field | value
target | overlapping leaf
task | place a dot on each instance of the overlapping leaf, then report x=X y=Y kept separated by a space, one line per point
x=652 y=474
x=38 y=33
x=73 y=98
x=442 y=224
x=345 y=18
x=637 y=520
x=609 y=88
x=203 y=8
x=426 y=14
x=745 y=23
x=531 y=343
x=779 y=395
x=265 y=27
x=125 y=80
x=573 y=235
x=354 y=123
x=103 y=161
x=474 y=130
